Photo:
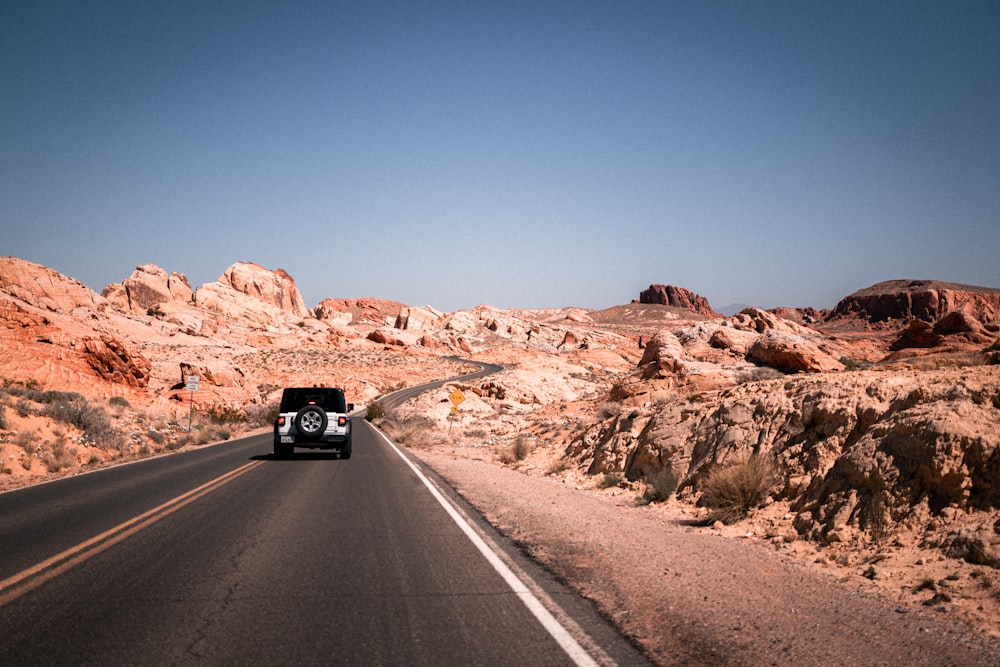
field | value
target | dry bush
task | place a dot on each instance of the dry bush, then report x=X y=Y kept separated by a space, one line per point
x=732 y=491
x=610 y=479
x=661 y=486
x=516 y=452
x=58 y=456
x=412 y=432
x=558 y=466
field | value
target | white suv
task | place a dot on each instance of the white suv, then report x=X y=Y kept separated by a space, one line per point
x=313 y=417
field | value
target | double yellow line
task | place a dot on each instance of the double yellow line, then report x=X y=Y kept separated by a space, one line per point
x=28 y=580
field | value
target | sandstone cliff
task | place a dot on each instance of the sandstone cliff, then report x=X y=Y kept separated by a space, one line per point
x=927 y=300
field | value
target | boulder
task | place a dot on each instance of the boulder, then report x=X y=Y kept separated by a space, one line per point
x=790 y=352
x=735 y=340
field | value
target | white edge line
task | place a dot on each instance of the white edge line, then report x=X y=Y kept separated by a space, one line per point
x=565 y=640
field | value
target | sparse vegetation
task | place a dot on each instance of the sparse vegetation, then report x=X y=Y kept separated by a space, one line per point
x=518 y=451
x=558 y=466
x=413 y=431
x=225 y=414
x=118 y=402
x=610 y=479
x=609 y=410
x=732 y=491
x=58 y=456
x=375 y=411
x=661 y=486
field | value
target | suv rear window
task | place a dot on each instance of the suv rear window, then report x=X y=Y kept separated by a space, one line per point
x=331 y=400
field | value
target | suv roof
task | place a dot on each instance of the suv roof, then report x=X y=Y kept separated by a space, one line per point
x=329 y=398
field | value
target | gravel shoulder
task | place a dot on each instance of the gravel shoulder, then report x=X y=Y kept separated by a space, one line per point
x=692 y=595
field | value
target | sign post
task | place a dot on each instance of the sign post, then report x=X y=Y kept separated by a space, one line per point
x=192 y=384
x=455 y=397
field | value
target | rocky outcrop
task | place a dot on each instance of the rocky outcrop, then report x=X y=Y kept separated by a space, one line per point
x=904 y=300
x=276 y=288
x=44 y=288
x=791 y=353
x=956 y=329
x=358 y=311
x=254 y=296
x=417 y=319
x=858 y=451
x=114 y=362
x=148 y=286
x=677 y=297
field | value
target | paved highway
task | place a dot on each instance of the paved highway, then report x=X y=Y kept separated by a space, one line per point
x=225 y=555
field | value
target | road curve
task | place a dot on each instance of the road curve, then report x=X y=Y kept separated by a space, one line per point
x=397 y=398
x=225 y=555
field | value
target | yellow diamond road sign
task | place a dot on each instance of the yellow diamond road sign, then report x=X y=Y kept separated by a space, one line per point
x=456 y=397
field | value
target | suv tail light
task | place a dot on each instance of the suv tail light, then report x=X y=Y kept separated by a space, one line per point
x=281 y=420
x=342 y=421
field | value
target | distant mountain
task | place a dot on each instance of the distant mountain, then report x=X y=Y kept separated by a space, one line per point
x=732 y=309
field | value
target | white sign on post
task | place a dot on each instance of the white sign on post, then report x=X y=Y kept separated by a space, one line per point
x=192 y=383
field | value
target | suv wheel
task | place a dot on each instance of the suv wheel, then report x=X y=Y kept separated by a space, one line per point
x=311 y=422
x=345 y=451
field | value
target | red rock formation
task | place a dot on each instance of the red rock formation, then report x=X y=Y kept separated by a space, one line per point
x=904 y=300
x=273 y=287
x=677 y=297
x=148 y=286
x=356 y=311
x=790 y=352
x=42 y=287
x=114 y=362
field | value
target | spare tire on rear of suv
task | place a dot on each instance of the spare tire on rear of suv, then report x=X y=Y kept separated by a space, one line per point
x=310 y=422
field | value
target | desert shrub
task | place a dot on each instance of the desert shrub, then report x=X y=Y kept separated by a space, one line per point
x=608 y=410
x=23 y=408
x=558 y=466
x=415 y=431
x=224 y=414
x=3 y=418
x=92 y=420
x=263 y=415
x=758 y=374
x=732 y=491
x=156 y=436
x=118 y=402
x=661 y=485
x=522 y=448
x=58 y=457
x=610 y=479
x=375 y=411
x=27 y=441
x=518 y=451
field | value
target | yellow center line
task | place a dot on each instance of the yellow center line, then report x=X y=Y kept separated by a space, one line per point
x=36 y=575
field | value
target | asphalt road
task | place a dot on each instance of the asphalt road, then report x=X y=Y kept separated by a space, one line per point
x=223 y=555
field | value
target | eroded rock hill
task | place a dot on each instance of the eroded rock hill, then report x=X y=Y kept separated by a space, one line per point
x=927 y=300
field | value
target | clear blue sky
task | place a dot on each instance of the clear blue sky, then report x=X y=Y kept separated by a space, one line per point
x=521 y=154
